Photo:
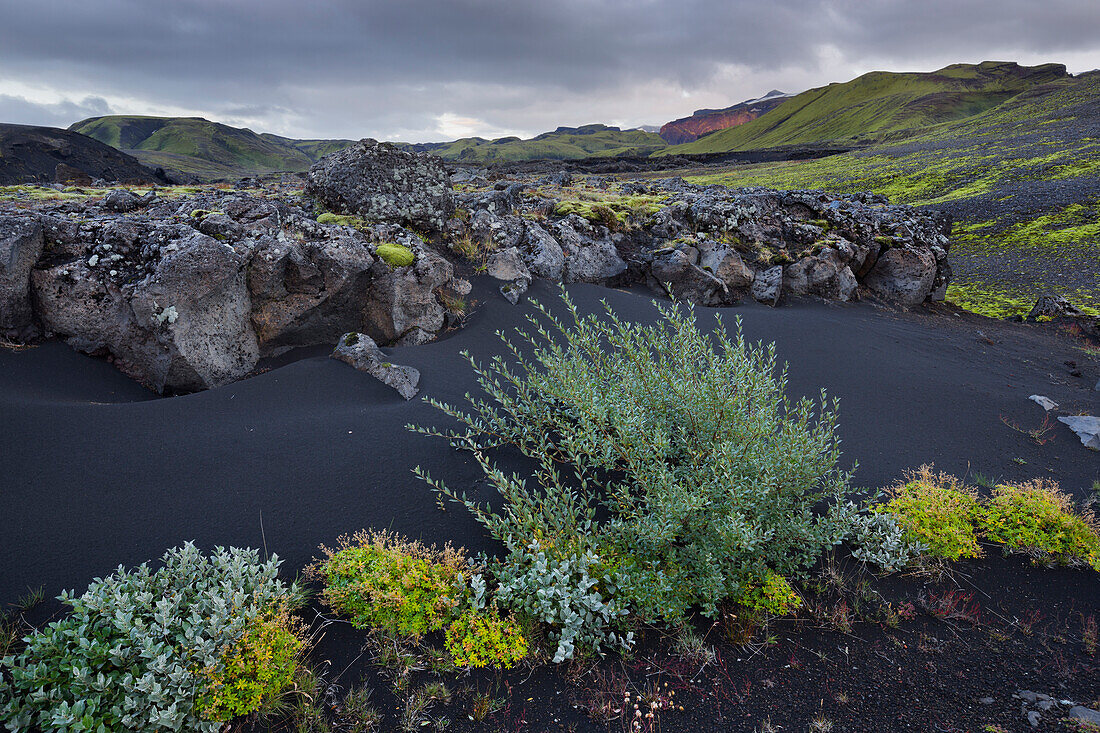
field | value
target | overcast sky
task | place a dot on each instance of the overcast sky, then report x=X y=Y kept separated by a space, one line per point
x=419 y=71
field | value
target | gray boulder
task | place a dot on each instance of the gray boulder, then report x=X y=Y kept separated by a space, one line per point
x=508 y=265
x=1053 y=306
x=197 y=304
x=594 y=263
x=674 y=271
x=403 y=307
x=726 y=264
x=542 y=253
x=902 y=275
x=513 y=291
x=767 y=286
x=221 y=227
x=1087 y=715
x=358 y=350
x=123 y=201
x=21 y=244
x=184 y=327
x=380 y=182
x=824 y=275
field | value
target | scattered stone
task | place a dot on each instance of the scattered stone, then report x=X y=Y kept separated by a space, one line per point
x=1087 y=715
x=1053 y=306
x=1087 y=428
x=360 y=351
x=1045 y=402
x=1033 y=718
x=381 y=182
x=986 y=701
x=514 y=290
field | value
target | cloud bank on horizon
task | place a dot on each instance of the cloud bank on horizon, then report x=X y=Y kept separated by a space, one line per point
x=420 y=70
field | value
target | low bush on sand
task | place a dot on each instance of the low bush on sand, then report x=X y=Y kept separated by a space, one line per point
x=947 y=519
x=936 y=511
x=384 y=581
x=485 y=639
x=1039 y=519
x=186 y=647
x=673 y=473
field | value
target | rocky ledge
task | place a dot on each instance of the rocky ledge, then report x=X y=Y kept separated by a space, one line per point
x=186 y=291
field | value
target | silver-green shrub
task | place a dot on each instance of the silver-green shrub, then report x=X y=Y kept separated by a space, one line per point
x=130 y=654
x=566 y=594
x=671 y=454
x=879 y=540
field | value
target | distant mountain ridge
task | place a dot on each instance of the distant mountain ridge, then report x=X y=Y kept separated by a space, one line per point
x=879 y=103
x=32 y=154
x=856 y=112
x=204 y=149
x=564 y=143
x=705 y=121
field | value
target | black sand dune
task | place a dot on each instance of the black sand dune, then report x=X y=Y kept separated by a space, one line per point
x=96 y=472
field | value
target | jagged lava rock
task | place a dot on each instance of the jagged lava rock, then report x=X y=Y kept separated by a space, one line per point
x=21 y=244
x=358 y=350
x=383 y=183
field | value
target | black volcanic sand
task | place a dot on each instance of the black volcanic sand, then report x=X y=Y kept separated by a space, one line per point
x=97 y=472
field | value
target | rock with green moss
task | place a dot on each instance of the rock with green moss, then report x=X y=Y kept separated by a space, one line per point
x=381 y=182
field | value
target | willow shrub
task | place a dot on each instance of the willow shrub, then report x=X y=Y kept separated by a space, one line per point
x=669 y=464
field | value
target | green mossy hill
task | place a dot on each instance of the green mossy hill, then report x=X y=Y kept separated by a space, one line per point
x=203 y=149
x=1021 y=180
x=878 y=103
x=565 y=143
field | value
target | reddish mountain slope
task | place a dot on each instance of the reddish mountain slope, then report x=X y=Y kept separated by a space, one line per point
x=706 y=121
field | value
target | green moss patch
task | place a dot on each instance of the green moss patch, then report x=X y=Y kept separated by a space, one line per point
x=396 y=255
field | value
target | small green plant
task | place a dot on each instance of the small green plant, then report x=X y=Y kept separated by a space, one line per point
x=30 y=599
x=380 y=580
x=772 y=596
x=936 y=511
x=1040 y=434
x=261 y=664
x=141 y=646
x=485 y=639
x=1038 y=518
x=395 y=255
x=693 y=647
x=344 y=220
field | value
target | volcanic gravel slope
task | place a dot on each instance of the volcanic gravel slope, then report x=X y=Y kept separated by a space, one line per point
x=1022 y=181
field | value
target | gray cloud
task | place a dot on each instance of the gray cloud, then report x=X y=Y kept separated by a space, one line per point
x=59 y=114
x=390 y=69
